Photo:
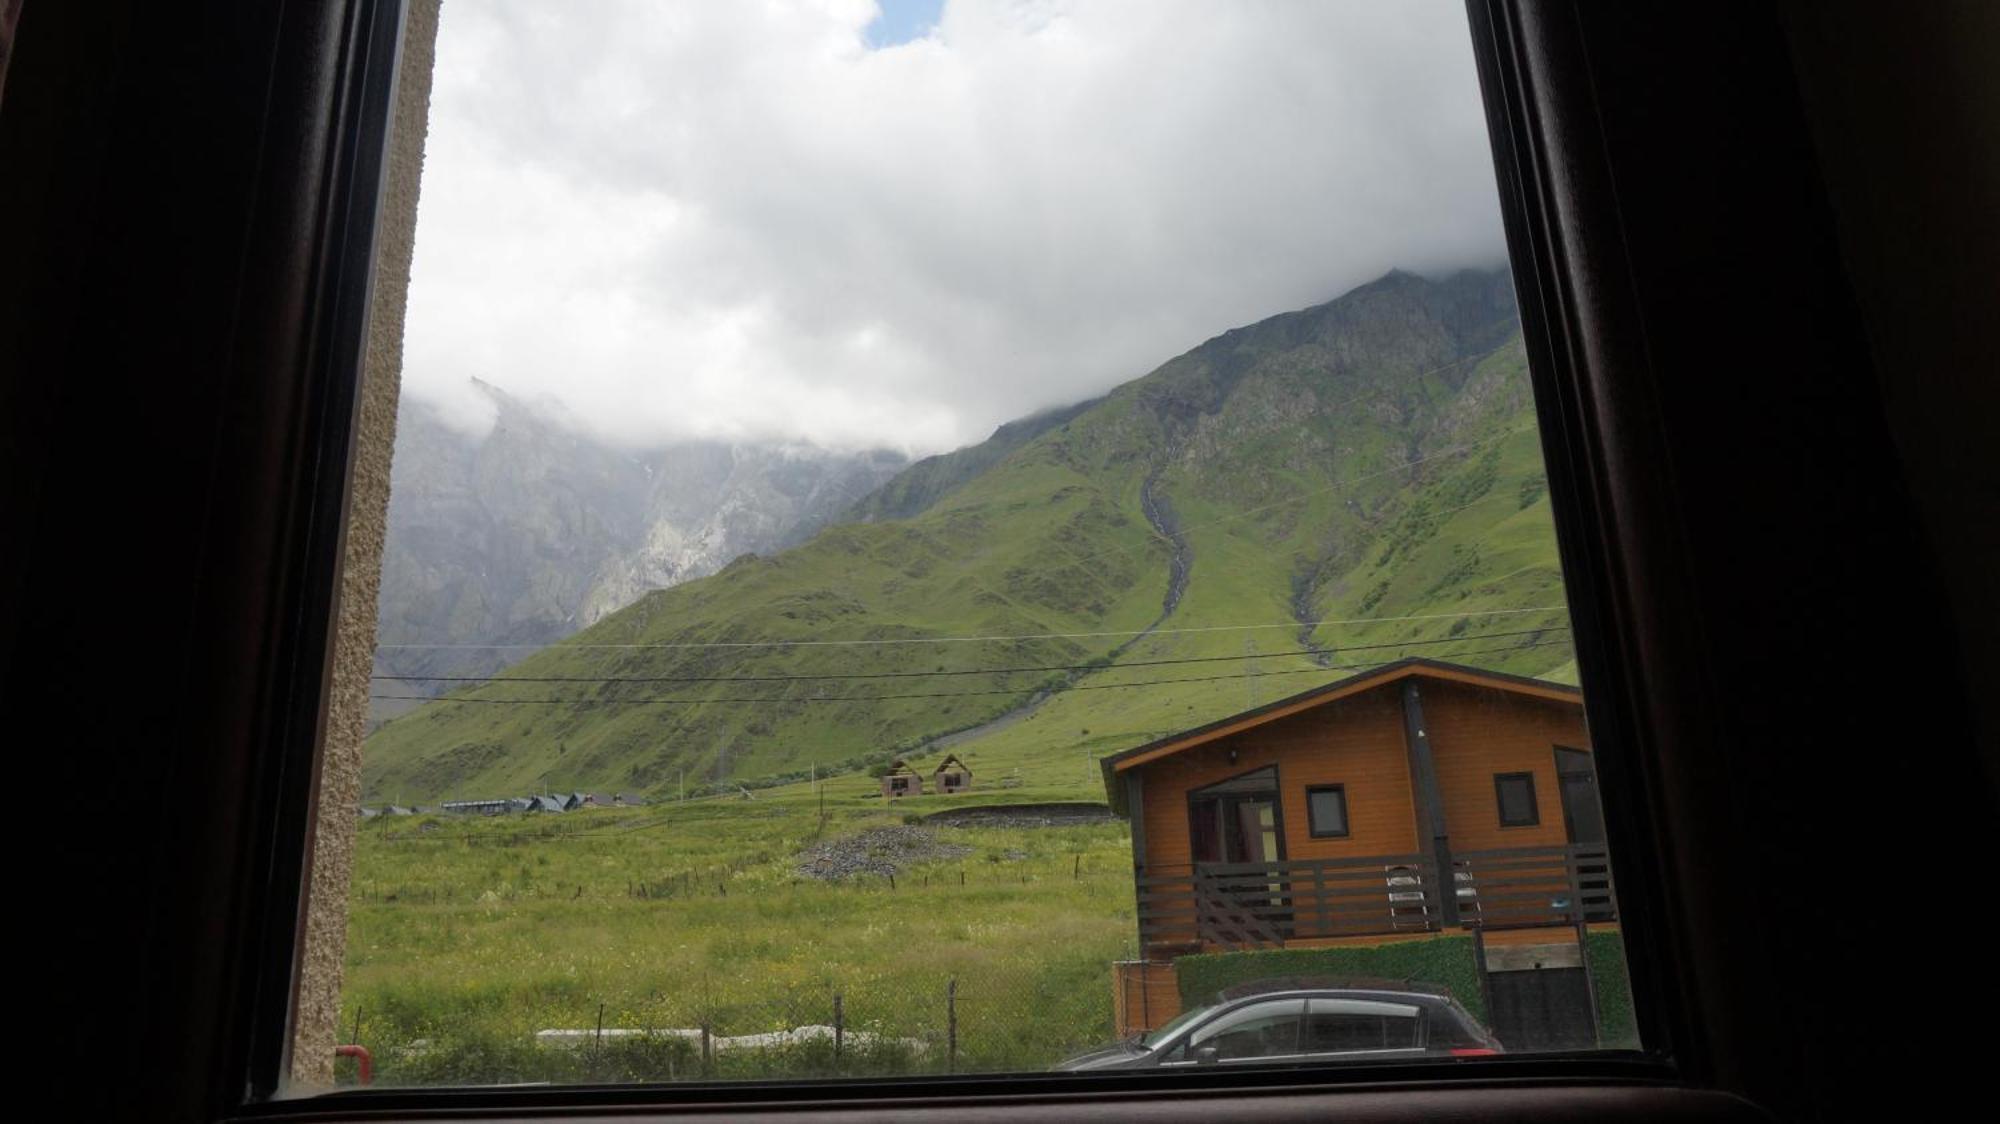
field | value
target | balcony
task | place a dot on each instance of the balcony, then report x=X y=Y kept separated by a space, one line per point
x=1230 y=906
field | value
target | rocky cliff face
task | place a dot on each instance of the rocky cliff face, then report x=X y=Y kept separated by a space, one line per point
x=711 y=503
x=526 y=533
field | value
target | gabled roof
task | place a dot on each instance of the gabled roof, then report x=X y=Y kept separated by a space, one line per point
x=1319 y=696
x=951 y=761
x=901 y=766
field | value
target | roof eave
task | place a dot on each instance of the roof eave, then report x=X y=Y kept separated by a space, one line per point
x=1330 y=692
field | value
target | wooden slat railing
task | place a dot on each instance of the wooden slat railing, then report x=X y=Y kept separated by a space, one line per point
x=1522 y=887
x=1260 y=905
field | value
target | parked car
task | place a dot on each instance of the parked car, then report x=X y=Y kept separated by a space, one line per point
x=1295 y=1020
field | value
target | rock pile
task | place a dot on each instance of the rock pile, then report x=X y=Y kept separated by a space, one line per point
x=881 y=851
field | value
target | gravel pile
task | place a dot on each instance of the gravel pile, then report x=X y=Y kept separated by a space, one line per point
x=880 y=851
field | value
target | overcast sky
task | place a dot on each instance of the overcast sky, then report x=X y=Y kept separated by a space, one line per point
x=804 y=220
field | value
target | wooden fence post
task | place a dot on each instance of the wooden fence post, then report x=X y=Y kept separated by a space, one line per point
x=839 y=1029
x=951 y=1025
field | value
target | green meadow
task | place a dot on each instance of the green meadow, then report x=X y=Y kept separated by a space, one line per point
x=467 y=936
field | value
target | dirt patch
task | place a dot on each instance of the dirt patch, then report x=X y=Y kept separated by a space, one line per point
x=882 y=851
x=1022 y=815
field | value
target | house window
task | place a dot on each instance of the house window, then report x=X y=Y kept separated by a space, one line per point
x=1516 y=792
x=1326 y=810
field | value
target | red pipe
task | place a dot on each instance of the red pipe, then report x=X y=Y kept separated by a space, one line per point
x=362 y=1058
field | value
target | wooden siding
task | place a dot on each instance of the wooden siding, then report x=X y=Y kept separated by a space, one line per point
x=1477 y=733
x=1507 y=938
x=1356 y=685
x=1356 y=742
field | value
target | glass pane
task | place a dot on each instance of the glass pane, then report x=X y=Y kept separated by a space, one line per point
x=1329 y=812
x=1517 y=800
x=889 y=498
x=1264 y=1030
x=1336 y=1031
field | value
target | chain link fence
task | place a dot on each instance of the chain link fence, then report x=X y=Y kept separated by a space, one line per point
x=906 y=1020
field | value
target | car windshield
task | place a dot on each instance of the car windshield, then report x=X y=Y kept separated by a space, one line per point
x=1155 y=1037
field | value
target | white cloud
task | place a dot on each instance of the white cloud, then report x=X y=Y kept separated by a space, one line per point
x=734 y=219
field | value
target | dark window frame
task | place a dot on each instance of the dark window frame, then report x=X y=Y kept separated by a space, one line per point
x=1277 y=790
x=1595 y=361
x=1312 y=820
x=1500 y=781
x=362 y=94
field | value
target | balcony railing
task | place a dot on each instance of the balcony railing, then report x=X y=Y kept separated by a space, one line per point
x=1262 y=905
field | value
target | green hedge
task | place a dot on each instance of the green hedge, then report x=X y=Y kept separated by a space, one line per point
x=1444 y=961
x=1617 y=1028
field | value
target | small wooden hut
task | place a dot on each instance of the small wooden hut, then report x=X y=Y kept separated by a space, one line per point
x=901 y=780
x=951 y=776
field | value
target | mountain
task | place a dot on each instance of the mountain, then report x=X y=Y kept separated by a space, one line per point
x=1324 y=489
x=525 y=533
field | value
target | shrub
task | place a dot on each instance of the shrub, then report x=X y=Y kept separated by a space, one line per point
x=1445 y=961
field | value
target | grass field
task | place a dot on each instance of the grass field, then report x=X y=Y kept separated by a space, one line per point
x=467 y=936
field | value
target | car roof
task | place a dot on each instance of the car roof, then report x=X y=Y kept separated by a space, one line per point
x=1407 y=989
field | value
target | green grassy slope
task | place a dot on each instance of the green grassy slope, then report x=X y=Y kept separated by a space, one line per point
x=468 y=935
x=1369 y=460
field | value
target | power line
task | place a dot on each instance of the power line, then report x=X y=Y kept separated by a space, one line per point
x=931 y=674
x=998 y=638
x=587 y=703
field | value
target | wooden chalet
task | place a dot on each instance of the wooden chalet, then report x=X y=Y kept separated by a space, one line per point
x=951 y=776
x=1416 y=798
x=901 y=780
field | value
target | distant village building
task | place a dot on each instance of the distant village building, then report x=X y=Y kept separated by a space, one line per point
x=577 y=800
x=369 y=813
x=901 y=780
x=952 y=776
x=545 y=804
x=521 y=804
x=627 y=800
x=498 y=807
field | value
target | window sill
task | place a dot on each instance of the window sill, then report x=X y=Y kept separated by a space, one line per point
x=1544 y=1099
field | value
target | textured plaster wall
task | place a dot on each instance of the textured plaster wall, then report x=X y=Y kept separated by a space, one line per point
x=317 y=1013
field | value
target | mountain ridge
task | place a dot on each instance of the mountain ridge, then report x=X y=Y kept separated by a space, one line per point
x=1349 y=460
